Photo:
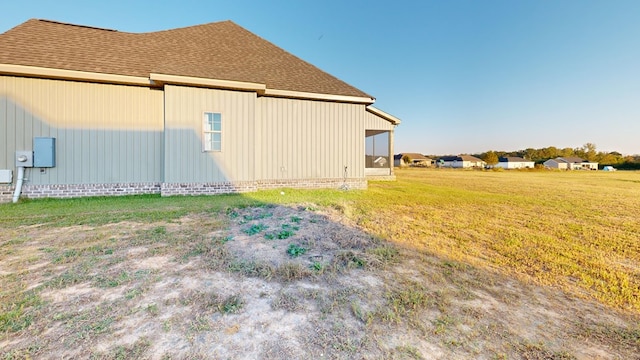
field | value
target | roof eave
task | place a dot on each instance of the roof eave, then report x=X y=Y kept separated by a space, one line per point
x=50 y=73
x=155 y=80
x=390 y=118
x=205 y=82
x=318 y=96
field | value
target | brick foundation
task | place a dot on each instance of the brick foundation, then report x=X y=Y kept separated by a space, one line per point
x=169 y=189
x=6 y=193
x=381 y=178
x=83 y=190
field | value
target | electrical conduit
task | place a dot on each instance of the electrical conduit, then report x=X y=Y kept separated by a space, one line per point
x=16 y=193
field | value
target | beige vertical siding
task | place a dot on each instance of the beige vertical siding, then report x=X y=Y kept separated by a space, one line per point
x=104 y=133
x=374 y=122
x=185 y=159
x=301 y=139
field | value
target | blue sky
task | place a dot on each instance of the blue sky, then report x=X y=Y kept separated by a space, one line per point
x=464 y=76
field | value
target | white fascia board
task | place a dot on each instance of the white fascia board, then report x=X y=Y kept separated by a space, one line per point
x=210 y=83
x=392 y=119
x=318 y=96
x=49 y=73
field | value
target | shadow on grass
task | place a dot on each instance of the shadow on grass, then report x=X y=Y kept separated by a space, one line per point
x=278 y=274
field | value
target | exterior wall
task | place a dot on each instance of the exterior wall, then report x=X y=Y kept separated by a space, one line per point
x=551 y=164
x=304 y=139
x=105 y=134
x=123 y=140
x=584 y=166
x=79 y=190
x=69 y=191
x=374 y=122
x=516 y=165
x=185 y=160
x=248 y=186
x=555 y=164
x=462 y=164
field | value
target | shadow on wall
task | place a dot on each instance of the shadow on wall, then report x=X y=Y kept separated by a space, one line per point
x=98 y=161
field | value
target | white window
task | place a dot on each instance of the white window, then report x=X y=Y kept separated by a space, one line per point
x=212 y=131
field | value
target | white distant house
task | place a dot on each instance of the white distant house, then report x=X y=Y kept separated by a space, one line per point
x=514 y=162
x=570 y=163
x=461 y=161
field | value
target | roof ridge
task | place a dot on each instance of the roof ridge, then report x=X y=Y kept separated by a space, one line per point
x=189 y=27
x=77 y=25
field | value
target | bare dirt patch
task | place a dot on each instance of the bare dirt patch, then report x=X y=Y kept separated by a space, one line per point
x=275 y=282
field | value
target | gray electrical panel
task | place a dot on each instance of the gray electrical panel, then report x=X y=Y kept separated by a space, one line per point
x=24 y=158
x=44 y=152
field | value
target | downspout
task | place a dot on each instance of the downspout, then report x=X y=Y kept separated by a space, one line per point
x=19 y=181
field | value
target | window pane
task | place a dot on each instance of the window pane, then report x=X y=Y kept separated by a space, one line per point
x=208 y=122
x=207 y=141
x=212 y=131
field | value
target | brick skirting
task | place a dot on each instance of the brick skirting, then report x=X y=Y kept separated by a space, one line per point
x=82 y=190
x=6 y=193
x=170 y=189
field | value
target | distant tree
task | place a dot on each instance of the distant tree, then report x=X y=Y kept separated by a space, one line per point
x=530 y=154
x=549 y=153
x=589 y=151
x=611 y=158
x=406 y=159
x=566 y=152
x=490 y=157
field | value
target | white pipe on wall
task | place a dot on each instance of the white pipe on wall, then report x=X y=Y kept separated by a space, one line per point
x=16 y=193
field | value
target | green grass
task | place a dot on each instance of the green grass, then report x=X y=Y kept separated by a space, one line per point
x=574 y=230
x=577 y=231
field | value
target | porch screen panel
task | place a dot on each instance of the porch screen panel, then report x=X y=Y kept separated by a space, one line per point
x=377 y=149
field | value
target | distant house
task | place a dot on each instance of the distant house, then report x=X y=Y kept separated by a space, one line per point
x=514 y=162
x=415 y=159
x=461 y=161
x=570 y=163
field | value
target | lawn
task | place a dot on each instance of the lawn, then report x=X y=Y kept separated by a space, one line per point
x=447 y=264
x=579 y=231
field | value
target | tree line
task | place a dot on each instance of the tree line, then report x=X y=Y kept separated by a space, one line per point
x=586 y=152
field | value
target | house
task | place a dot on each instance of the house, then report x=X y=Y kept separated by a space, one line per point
x=570 y=163
x=205 y=109
x=414 y=159
x=461 y=161
x=514 y=162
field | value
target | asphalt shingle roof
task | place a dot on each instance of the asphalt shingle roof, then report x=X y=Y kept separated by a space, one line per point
x=220 y=50
x=413 y=156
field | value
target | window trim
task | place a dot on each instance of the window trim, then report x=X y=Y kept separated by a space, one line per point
x=208 y=146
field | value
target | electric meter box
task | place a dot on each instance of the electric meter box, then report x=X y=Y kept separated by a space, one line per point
x=44 y=152
x=24 y=158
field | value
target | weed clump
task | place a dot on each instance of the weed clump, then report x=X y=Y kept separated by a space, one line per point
x=295 y=250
